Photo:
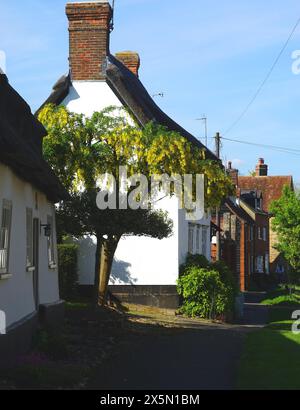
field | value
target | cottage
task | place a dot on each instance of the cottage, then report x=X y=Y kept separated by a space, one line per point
x=244 y=236
x=271 y=188
x=28 y=192
x=145 y=270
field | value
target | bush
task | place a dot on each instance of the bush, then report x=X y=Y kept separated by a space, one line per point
x=226 y=276
x=208 y=292
x=67 y=264
x=194 y=260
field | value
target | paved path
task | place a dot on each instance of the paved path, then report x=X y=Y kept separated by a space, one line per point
x=184 y=359
x=193 y=356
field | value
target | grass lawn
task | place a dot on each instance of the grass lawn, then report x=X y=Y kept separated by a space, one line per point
x=282 y=297
x=271 y=358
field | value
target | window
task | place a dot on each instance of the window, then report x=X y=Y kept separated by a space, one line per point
x=50 y=239
x=198 y=239
x=267 y=264
x=5 y=231
x=259 y=264
x=251 y=233
x=259 y=233
x=29 y=238
x=264 y=233
x=191 y=239
x=258 y=203
x=204 y=240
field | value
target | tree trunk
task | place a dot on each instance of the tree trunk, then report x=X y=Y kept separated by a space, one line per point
x=108 y=249
x=97 y=269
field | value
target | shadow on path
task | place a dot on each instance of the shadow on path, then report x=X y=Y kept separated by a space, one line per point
x=177 y=353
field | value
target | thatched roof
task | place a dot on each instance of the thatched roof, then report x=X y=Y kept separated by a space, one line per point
x=134 y=96
x=21 y=136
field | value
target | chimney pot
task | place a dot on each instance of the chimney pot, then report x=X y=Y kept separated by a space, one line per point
x=233 y=173
x=261 y=169
x=89 y=30
x=131 y=60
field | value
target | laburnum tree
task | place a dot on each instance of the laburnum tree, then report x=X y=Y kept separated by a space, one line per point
x=81 y=149
x=286 y=223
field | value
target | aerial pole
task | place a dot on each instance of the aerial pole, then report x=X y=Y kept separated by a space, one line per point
x=218 y=217
x=204 y=119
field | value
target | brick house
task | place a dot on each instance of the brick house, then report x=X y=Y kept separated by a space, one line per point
x=244 y=235
x=271 y=188
x=235 y=225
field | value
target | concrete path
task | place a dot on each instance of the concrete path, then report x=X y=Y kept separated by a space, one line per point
x=192 y=355
x=254 y=313
x=178 y=360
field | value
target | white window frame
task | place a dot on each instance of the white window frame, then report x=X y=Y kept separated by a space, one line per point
x=259 y=233
x=198 y=239
x=191 y=231
x=5 y=236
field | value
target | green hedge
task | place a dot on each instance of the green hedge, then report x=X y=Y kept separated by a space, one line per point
x=208 y=289
x=68 y=276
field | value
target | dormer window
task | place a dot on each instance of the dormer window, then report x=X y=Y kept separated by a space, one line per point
x=258 y=203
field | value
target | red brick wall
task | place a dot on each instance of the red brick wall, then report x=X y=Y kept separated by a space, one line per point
x=89 y=39
x=131 y=60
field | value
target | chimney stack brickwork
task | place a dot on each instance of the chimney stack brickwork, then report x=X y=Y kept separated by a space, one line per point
x=131 y=60
x=233 y=173
x=89 y=30
x=261 y=169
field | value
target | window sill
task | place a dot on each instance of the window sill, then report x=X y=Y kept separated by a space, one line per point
x=30 y=269
x=52 y=266
x=5 y=276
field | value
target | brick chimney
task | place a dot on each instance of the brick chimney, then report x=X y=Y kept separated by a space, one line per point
x=131 y=60
x=261 y=169
x=233 y=173
x=89 y=29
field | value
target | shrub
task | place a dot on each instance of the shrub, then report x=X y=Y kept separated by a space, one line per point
x=194 y=260
x=226 y=275
x=67 y=264
x=207 y=292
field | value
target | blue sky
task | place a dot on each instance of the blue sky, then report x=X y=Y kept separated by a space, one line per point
x=205 y=56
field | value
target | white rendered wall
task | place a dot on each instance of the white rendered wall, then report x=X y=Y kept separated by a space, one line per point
x=16 y=292
x=86 y=97
x=149 y=261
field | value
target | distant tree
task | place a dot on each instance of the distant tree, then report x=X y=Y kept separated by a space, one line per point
x=252 y=173
x=80 y=149
x=286 y=223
